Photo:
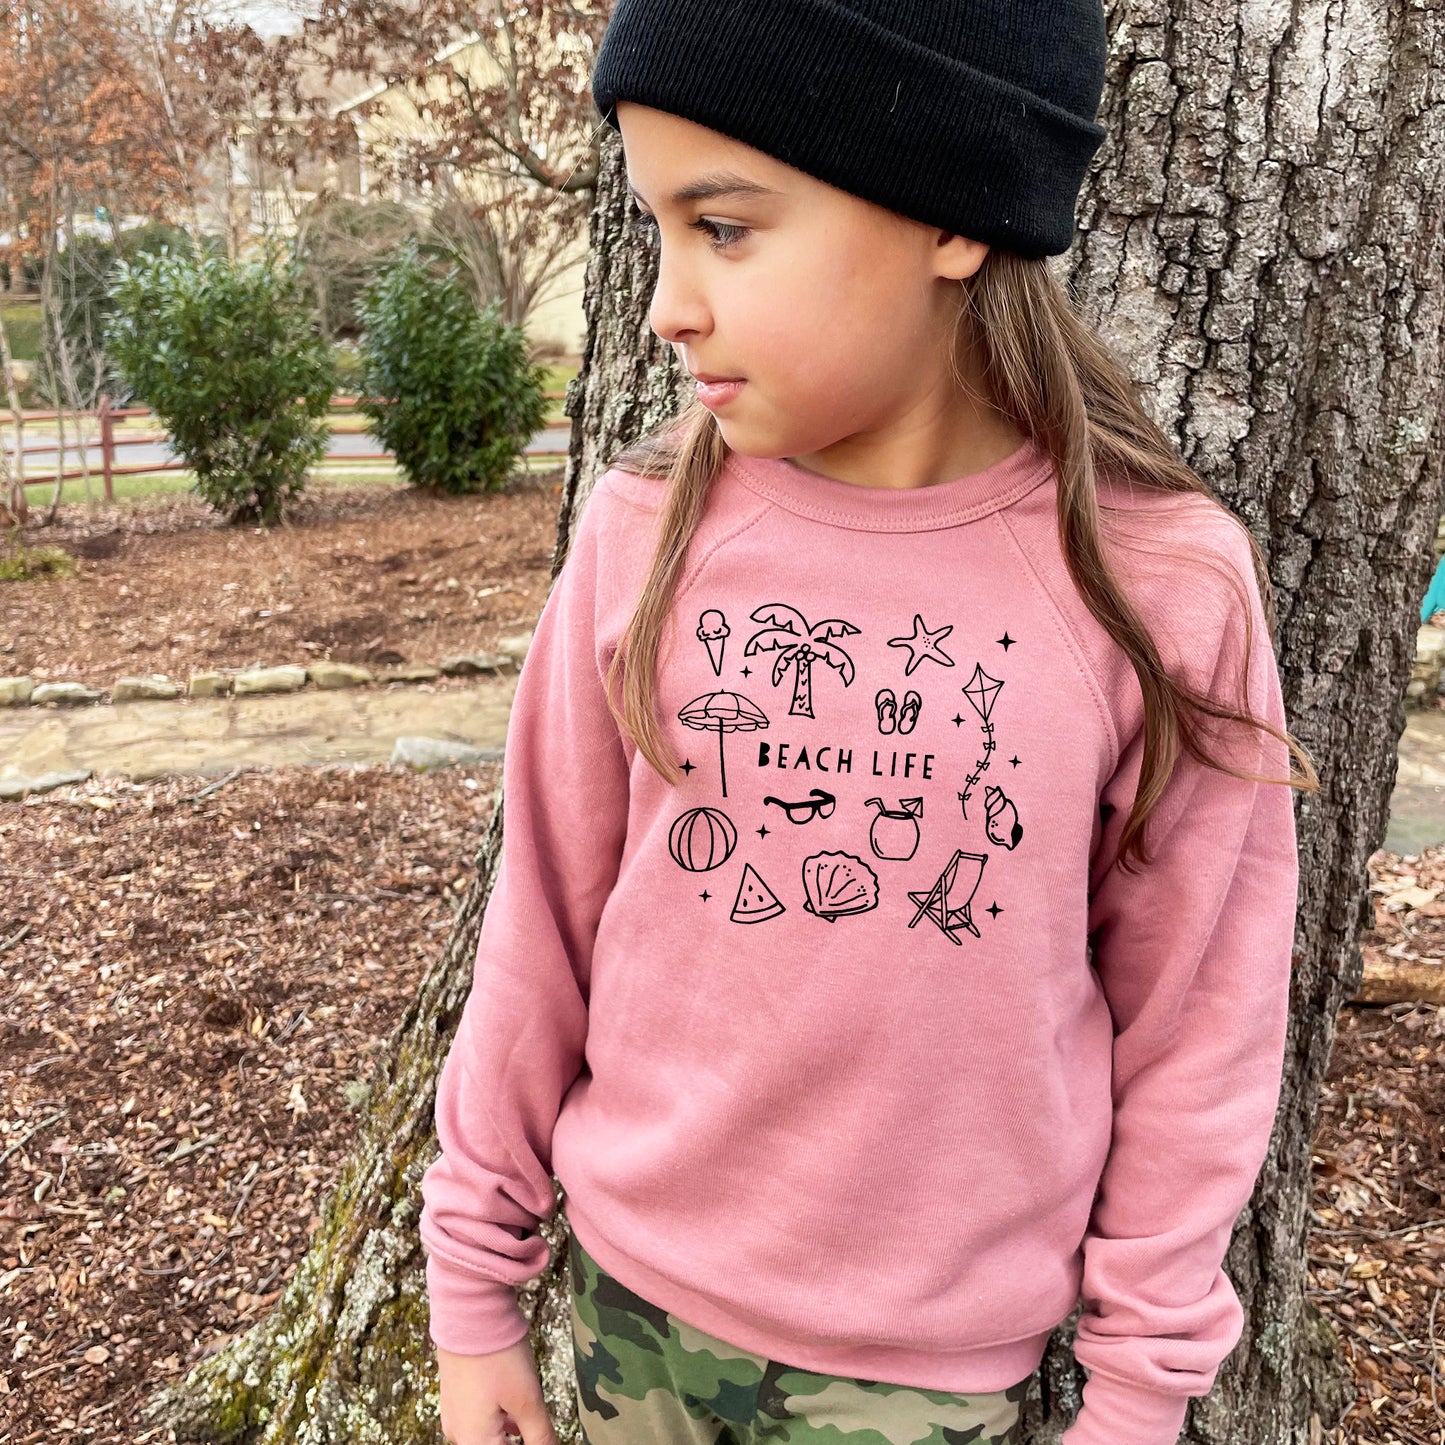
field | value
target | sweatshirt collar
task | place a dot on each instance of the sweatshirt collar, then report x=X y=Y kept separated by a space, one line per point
x=895 y=509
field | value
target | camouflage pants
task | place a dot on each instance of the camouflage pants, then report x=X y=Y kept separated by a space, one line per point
x=646 y=1378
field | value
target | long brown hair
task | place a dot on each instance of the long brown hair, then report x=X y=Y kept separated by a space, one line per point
x=1058 y=382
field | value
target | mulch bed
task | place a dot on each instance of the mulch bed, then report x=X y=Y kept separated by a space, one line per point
x=380 y=574
x=194 y=991
x=1377 y=1246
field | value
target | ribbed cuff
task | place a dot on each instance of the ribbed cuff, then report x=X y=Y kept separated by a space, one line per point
x=471 y=1315
x=1116 y=1413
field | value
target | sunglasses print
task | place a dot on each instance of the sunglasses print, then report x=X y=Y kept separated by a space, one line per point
x=819 y=805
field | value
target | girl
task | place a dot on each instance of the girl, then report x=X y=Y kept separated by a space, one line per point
x=830 y=965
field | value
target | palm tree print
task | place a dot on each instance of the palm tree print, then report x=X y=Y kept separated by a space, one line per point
x=799 y=646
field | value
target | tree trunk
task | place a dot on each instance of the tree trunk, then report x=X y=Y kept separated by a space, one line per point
x=1262 y=244
x=1265 y=248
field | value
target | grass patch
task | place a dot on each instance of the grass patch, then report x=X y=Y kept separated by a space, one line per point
x=22 y=321
x=363 y=476
x=136 y=486
x=127 y=488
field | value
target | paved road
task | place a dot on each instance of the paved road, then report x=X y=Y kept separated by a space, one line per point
x=343 y=444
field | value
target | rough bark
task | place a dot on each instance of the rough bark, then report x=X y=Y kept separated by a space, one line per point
x=1262 y=242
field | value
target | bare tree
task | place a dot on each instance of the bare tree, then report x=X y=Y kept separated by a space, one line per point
x=514 y=249
x=12 y=472
x=486 y=111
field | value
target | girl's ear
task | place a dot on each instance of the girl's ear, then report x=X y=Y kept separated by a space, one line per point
x=958 y=256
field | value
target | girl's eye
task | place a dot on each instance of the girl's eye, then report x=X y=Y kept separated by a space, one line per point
x=720 y=233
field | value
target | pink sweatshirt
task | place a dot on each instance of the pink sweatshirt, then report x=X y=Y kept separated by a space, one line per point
x=850 y=1048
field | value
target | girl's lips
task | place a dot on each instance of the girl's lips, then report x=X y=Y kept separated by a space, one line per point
x=718 y=393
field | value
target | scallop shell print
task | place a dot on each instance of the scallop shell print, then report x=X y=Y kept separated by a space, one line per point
x=837 y=884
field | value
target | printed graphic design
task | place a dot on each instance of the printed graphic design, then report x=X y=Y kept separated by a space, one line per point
x=712 y=630
x=892 y=717
x=819 y=805
x=701 y=839
x=839 y=881
x=1001 y=819
x=982 y=691
x=755 y=901
x=923 y=644
x=799 y=646
x=949 y=902
x=894 y=833
x=837 y=884
x=728 y=712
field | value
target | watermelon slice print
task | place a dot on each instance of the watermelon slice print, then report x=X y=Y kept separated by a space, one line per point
x=755 y=900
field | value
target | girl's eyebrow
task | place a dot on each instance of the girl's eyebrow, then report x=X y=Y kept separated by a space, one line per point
x=715 y=183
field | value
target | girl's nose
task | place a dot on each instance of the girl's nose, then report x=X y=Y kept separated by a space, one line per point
x=678 y=311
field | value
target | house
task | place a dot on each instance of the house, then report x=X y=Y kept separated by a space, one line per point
x=526 y=244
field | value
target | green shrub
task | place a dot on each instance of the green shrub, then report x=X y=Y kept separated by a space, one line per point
x=22 y=321
x=25 y=562
x=448 y=388
x=228 y=357
x=348 y=368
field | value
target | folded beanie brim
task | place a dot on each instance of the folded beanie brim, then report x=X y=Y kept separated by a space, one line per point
x=823 y=88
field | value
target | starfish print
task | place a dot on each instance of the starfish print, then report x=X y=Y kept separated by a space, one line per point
x=924 y=644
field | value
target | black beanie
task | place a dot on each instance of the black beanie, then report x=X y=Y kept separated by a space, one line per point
x=976 y=116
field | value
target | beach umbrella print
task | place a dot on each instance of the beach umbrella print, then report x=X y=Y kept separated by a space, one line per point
x=728 y=712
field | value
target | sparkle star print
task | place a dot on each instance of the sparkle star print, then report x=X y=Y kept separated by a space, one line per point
x=924 y=645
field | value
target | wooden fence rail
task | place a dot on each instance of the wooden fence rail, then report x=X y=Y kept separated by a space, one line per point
x=109 y=444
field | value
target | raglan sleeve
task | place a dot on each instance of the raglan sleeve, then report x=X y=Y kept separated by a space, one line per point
x=519 y=1044
x=1194 y=953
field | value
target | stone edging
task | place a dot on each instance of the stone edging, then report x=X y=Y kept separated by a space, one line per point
x=290 y=677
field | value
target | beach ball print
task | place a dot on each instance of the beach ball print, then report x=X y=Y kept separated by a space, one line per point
x=702 y=838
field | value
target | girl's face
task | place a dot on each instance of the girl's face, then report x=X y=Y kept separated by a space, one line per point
x=838 y=314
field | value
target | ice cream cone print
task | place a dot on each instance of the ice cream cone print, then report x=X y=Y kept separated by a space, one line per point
x=712 y=631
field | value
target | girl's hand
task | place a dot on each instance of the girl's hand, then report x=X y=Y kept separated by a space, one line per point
x=486 y=1398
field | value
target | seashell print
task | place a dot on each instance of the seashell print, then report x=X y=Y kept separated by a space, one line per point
x=837 y=884
x=1001 y=820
